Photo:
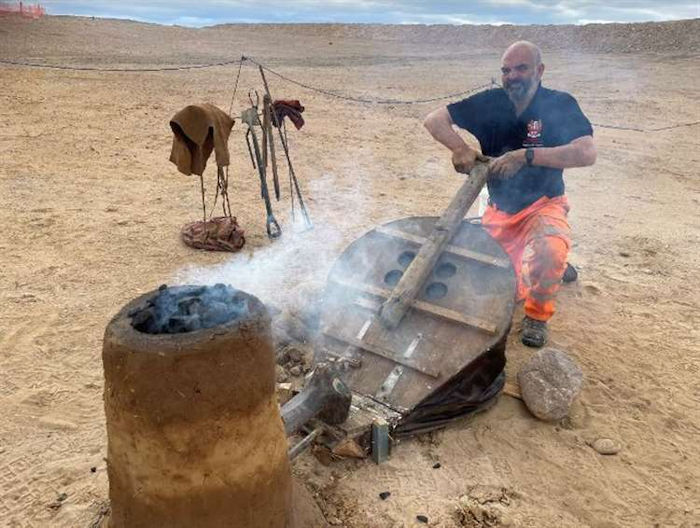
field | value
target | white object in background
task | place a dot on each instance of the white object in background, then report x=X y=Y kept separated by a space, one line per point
x=483 y=201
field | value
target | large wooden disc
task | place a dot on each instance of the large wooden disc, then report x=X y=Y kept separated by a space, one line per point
x=464 y=308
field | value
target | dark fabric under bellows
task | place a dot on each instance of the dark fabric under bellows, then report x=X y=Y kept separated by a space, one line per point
x=473 y=389
x=188 y=308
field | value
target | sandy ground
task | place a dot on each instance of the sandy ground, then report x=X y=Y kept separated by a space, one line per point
x=91 y=209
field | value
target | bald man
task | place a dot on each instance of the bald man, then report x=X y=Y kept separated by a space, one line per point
x=531 y=134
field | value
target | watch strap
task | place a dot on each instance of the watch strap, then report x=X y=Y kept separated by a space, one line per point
x=529 y=156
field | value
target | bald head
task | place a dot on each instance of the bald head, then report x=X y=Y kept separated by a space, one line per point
x=524 y=49
x=522 y=69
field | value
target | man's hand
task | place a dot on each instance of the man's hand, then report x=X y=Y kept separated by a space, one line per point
x=507 y=165
x=465 y=158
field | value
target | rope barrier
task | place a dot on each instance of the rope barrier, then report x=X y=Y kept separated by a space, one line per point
x=365 y=100
x=658 y=129
x=233 y=97
x=88 y=68
x=316 y=89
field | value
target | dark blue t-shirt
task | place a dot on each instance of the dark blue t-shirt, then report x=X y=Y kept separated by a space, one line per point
x=552 y=119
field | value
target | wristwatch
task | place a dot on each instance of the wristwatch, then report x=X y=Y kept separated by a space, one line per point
x=529 y=156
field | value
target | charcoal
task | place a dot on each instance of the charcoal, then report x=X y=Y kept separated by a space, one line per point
x=188 y=309
x=134 y=311
x=184 y=323
x=216 y=312
x=143 y=320
x=190 y=305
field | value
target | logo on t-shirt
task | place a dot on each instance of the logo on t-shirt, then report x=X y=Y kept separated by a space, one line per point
x=534 y=133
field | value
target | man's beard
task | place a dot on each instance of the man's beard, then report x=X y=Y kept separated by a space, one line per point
x=518 y=90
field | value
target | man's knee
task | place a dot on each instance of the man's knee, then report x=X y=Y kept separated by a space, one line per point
x=548 y=253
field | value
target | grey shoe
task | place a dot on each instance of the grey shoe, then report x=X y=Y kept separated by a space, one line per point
x=533 y=332
x=570 y=274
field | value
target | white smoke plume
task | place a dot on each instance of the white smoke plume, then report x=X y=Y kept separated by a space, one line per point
x=298 y=257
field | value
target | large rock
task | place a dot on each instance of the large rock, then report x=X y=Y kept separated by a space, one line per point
x=549 y=383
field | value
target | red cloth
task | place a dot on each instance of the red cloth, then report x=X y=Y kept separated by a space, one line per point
x=537 y=240
x=290 y=108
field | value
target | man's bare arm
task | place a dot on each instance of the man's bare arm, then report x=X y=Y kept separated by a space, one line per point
x=581 y=152
x=439 y=124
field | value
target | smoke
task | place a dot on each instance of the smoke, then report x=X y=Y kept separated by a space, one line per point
x=299 y=257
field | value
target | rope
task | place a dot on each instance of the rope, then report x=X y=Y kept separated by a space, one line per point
x=658 y=129
x=365 y=100
x=633 y=129
x=314 y=88
x=235 y=87
x=89 y=68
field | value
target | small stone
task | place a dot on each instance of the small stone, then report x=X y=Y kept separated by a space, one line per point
x=422 y=518
x=295 y=355
x=93 y=469
x=348 y=448
x=384 y=495
x=52 y=422
x=437 y=465
x=61 y=497
x=295 y=370
x=549 y=383
x=606 y=446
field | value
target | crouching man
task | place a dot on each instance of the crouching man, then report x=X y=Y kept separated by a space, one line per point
x=532 y=133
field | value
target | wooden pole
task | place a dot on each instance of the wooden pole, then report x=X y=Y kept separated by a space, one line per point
x=265 y=124
x=271 y=145
x=395 y=307
x=285 y=147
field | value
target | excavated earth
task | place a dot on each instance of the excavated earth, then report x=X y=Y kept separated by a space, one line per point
x=91 y=211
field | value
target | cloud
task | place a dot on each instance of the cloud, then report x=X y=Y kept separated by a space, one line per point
x=209 y=12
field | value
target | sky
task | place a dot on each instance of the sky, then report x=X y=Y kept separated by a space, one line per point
x=199 y=13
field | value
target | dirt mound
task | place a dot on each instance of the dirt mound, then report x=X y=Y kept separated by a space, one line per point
x=106 y=41
x=678 y=36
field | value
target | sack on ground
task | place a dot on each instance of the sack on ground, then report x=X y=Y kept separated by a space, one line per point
x=216 y=234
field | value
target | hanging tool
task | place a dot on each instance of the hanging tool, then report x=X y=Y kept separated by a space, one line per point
x=305 y=213
x=267 y=134
x=250 y=117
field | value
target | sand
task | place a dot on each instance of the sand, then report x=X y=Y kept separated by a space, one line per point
x=91 y=210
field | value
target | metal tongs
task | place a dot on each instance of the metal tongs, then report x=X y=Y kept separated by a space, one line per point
x=250 y=117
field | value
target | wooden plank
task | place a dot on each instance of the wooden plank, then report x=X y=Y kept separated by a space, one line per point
x=455 y=250
x=404 y=293
x=394 y=357
x=423 y=306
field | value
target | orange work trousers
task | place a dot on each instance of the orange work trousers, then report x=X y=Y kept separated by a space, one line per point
x=537 y=240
